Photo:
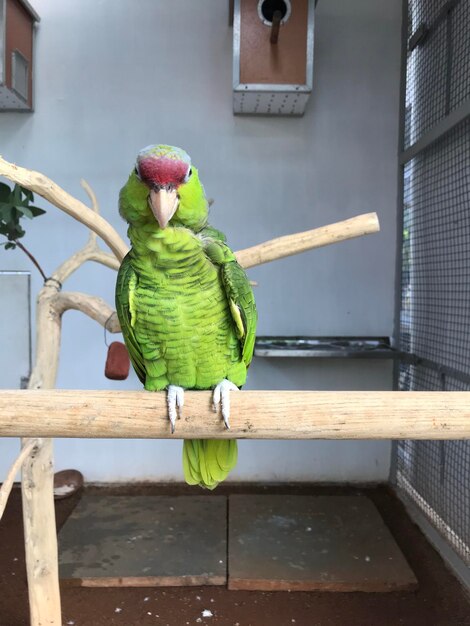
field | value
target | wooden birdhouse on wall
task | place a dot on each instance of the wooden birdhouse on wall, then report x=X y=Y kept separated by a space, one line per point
x=272 y=56
x=17 y=20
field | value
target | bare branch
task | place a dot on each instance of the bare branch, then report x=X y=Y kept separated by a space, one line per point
x=94 y=307
x=45 y=187
x=91 y=194
x=7 y=485
x=309 y=239
x=90 y=252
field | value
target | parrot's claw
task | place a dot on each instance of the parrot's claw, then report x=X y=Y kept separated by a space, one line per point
x=175 y=402
x=222 y=396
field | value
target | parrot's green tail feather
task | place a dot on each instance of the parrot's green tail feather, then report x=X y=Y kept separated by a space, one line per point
x=207 y=462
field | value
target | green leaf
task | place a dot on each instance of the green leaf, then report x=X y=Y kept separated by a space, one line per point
x=18 y=233
x=6 y=211
x=28 y=194
x=24 y=211
x=36 y=211
x=15 y=205
x=17 y=195
x=5 y=192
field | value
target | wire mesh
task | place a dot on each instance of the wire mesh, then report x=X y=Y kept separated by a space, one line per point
x=435 y=297
x=437 y=68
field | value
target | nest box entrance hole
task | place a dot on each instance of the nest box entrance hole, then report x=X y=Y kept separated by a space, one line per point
x=267 y=9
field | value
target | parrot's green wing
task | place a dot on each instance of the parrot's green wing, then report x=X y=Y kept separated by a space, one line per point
x=237 y=287
x=125 y=288
x=242 y=306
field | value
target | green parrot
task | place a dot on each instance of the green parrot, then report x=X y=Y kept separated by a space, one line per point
x=185 y=305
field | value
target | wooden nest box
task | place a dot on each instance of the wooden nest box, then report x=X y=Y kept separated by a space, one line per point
x=17 y=20
x=272 y=56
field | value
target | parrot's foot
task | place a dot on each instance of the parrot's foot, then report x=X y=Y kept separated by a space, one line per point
x=222 y=396
x=175 y=402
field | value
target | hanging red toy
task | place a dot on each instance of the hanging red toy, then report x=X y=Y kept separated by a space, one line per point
x=117 y=362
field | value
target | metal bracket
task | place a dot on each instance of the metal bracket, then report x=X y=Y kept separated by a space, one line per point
x=421 y=33
x=418 y=37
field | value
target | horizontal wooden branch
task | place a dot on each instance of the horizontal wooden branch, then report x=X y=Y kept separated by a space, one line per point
x=255 y=415
x=288 y=245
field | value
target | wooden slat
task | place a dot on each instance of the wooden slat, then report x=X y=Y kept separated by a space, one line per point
x=255 y=415
x=145 y=581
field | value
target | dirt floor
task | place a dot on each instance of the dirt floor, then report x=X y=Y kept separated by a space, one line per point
x=439 y=601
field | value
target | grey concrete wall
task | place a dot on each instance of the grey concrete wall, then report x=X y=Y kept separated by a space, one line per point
x=112 y=77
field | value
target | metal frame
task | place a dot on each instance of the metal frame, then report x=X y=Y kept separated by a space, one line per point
x=262 y=87
x=3 y=14
x=439 y=130
x=25 y=378
x=399 y=233
x=400 y=189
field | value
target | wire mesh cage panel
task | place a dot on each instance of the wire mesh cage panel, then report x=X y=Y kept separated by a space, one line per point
x=435 y=288
x=437 y=63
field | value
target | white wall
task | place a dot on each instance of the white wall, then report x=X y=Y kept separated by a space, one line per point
x=112 y=77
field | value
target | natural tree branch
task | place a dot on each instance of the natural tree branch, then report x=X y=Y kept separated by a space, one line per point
x=92 y=306
x=308 y=240
x=31 y=257
x=45 y=187
x=7 y=485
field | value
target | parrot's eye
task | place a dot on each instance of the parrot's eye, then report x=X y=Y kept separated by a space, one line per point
x=188 y=175
x=136 y=172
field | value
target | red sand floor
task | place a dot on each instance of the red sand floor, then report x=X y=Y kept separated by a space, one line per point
x=439 y=601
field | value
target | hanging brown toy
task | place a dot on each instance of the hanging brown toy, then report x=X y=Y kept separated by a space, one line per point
x=117 y=361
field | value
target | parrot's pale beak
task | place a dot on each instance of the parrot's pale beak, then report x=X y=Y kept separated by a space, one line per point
x=163 y=204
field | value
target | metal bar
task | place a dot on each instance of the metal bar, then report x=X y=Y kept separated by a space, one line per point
x=413 y=359
x=449 y=60
x=377 y=354
x=345 y=347
x=254 y=415
x=400 y=193
x=439 y=130
x=421 y=34
x=399 y=234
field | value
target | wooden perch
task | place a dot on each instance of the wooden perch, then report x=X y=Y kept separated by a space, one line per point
x=308 y=240
x=255 y=415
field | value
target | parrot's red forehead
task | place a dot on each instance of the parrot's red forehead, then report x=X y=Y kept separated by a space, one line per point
x=162 y=171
